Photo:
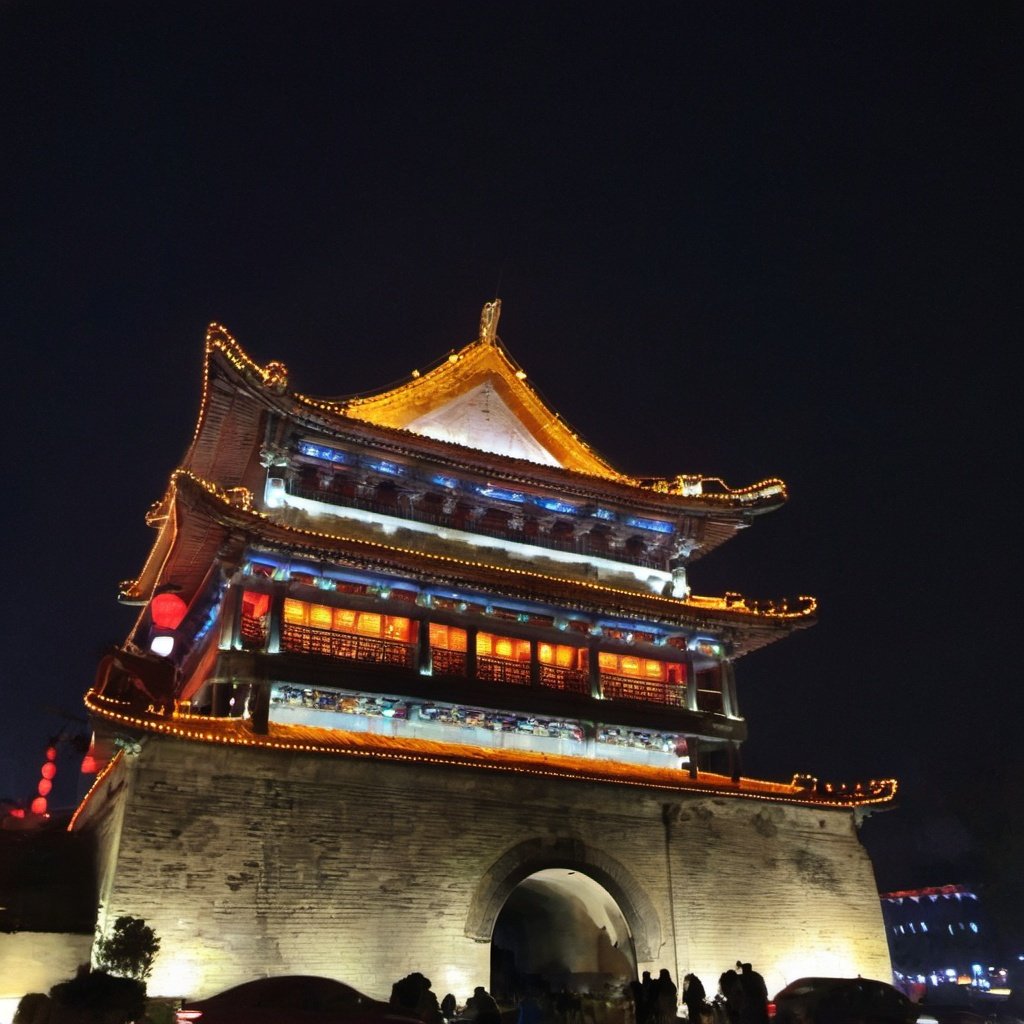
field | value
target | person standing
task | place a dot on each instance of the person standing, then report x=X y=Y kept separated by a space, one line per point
x=694 y=997
x=755 y=996
x=666 y=999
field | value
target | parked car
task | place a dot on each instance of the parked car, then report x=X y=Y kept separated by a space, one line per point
x=293 y=999
x=842 y=1001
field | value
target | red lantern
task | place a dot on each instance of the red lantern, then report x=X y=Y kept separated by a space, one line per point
x=167 y=611
x=39 y=805
x=44 y=787
x=48 y=770
x=89 y=766
x=51 y=753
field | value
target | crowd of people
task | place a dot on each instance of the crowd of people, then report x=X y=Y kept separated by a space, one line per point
x=742 y=998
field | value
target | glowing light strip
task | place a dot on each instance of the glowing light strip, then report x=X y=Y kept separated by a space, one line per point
x=447 y=756
x=97 y=782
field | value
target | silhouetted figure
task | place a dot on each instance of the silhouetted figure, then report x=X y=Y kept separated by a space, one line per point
x=636 y=990
x=449 y=1008
x=731 y=992
x=647 y=998
x=413 y=995
x=666 y=1001
x=694 y=997
x=481 y=1007
x=755 y=997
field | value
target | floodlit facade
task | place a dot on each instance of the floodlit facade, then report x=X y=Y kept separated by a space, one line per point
x=419 y=682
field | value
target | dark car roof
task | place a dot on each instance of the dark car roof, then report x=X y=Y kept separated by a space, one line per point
x=803 y=986
x=311 y=998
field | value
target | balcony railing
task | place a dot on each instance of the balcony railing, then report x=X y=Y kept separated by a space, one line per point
x=498 y=670
x=645 y=691
x=581 y=545
x=348 y=646
x=569 y=680
x=370 y=650
x=447 y=663
x=254 y=632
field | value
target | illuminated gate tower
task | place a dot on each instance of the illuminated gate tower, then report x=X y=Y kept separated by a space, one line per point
x=419 y=683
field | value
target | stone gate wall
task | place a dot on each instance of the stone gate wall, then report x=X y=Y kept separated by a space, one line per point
x=253 y=862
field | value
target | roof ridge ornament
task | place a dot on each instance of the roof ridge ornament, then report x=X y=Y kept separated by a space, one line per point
x=489 y=316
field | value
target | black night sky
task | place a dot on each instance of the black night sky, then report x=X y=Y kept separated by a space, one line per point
x=744 y=240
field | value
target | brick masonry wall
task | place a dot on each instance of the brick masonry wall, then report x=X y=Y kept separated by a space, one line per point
x=251 y=863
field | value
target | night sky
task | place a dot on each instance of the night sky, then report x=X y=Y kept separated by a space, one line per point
x=744 y=240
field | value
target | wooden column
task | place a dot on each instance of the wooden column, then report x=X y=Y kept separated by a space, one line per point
x=424 y=659
x=276 y=617
x=471 y=632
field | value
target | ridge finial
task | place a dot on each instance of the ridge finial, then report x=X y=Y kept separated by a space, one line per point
x=489 y=321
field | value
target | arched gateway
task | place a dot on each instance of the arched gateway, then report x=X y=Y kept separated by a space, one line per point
x=418 y=628
x=537 y=858
x=562 y=914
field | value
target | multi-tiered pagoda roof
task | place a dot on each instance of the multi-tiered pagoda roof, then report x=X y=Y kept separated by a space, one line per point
x=406 y=573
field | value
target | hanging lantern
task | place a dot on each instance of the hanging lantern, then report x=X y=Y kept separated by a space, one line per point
x=48 y=770
x=167 y=610
x=44 y=787
x=39 y=805
x=51 y=753
x=89 y=765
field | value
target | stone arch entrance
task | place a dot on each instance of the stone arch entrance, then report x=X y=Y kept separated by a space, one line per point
x=564 y=914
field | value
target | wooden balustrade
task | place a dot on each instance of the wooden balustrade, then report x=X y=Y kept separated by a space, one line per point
x=646 y=691
x=333 y=643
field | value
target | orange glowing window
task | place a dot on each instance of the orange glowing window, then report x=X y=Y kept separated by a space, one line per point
x=561 y=655
x=255 y=606
x=345 y=620
x=676 y=673
x=654 y=670
x=566 y=657
x=630 y=666
x=396 y=628
x=489 y=645
x=320 y=616
x=295 y=611
x=369 y=624
x=447 y=638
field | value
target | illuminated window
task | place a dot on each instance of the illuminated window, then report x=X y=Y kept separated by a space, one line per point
x=447 y=638
x=489 y=645
x=320 y=616
x=368 y=624
x=545 y=654
x=397 y=628
x=607 y=662
x=630 y=666
x=654 y=670
x=255 y=606
x=345 y=620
